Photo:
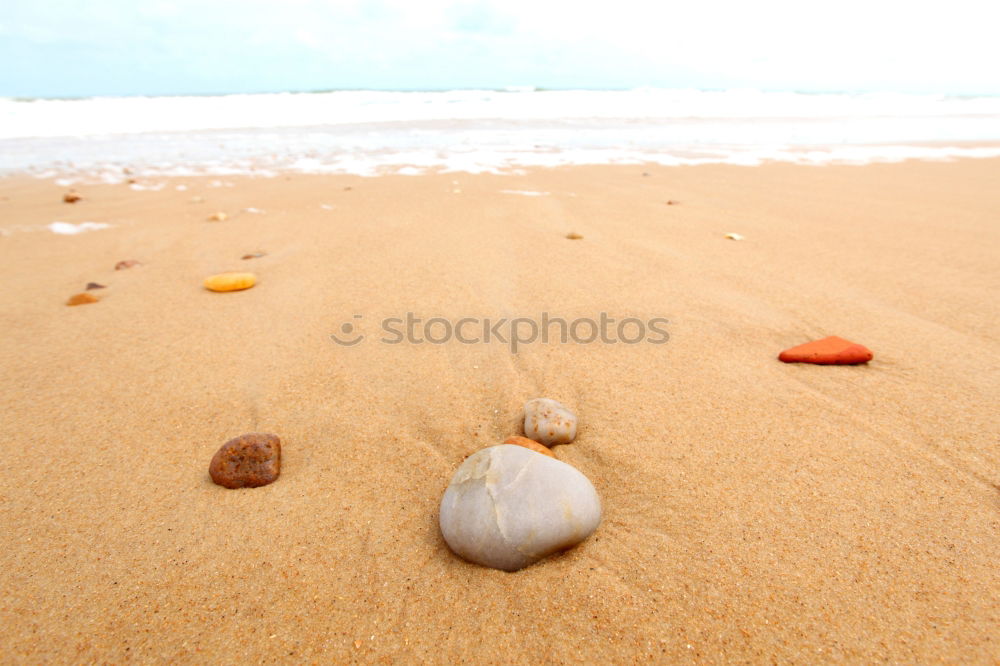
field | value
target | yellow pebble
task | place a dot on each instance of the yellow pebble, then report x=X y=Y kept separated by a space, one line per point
x=230 y=281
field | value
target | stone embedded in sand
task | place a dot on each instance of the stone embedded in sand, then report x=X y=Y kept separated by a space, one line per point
x=127 y=263
x=549 y=422
x=574 y=236
x=94 y=285
x=254 y=255
x=217 y=217
x=230 y=281
x=507 y=507
x=247 y=461
x=529 y=444
x=828 y=351
x=71 y=197
x=671 y=202
x=734 y=236
x=82 y=298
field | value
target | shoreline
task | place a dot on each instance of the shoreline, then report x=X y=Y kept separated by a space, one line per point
x=753 y=510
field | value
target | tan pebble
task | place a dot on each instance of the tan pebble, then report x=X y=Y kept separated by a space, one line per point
x=529 y=444
x=230 y=281
x=81 y=299
x=71 y=197
x=217 y=217
x=574 y=236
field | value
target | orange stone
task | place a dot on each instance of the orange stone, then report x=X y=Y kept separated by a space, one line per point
x=529 y=444
x=247 y=461
x=828 y=351
x=81 y=299
x=71 y=197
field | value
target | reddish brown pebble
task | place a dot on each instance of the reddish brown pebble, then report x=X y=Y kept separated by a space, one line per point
x=574 y=236
x=71 y=197
x=254 y=255
x=94 y=285
x=529 y=444
x=672 y=203
x=828 y=351
x=81 y=299
x=247 y=461
x=128 y=263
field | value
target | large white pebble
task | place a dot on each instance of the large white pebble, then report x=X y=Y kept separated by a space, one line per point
x=549 y=422
x=508 y=507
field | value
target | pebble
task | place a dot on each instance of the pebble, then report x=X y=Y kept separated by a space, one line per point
x=247 y=461
x=549 y=422
x=127 y=263
x=517 y=440
x=71 y=197
x=217 y=217
x=94 y=285
x=82 y=298
x=230 y=281
x=734 y=236
x=507 y=507
x=574 y=236
x=828 y=351
x=254 y=255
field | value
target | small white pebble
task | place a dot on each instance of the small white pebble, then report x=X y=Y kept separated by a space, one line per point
x=734 y=236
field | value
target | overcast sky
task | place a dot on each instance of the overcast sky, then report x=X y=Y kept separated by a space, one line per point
x=63 y=48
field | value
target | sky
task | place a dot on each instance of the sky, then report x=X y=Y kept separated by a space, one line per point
x=74 y=48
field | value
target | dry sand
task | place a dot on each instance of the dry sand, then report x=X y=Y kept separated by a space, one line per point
x=753 y=511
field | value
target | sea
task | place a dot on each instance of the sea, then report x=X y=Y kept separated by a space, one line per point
x=371 y=133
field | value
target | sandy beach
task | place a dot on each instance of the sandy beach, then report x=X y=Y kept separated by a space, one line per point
x=754 y=511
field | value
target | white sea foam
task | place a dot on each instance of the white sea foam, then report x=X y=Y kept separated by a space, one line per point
x=70 y=229
x=372 y=133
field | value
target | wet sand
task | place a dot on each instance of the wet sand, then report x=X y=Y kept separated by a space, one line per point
x=753 y=510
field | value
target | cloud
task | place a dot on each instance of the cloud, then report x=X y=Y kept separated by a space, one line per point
x=225 y=45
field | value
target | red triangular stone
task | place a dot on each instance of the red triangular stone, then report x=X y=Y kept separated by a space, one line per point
x=828 y=351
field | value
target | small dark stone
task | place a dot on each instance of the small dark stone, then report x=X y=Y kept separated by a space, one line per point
x=127 y=263
x=254 y=255
x=94 y=285
x=247 y=461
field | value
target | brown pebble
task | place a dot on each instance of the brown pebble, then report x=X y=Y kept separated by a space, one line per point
x=254 y=255
x=71 y=197
x=94 y=285
x=529 y=444
x=82 y=298
x=247 y=461
x=127 y=263
x=672 y=203
x=574 y=236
